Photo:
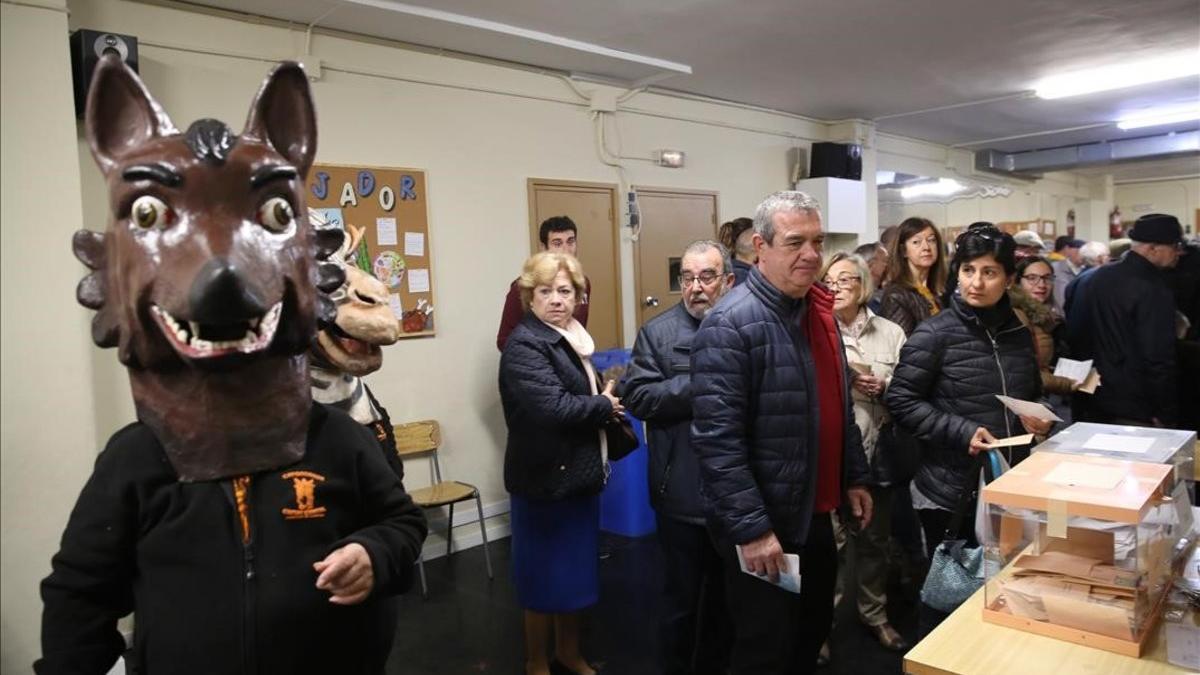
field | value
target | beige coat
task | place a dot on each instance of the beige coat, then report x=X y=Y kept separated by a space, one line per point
x=877 y=348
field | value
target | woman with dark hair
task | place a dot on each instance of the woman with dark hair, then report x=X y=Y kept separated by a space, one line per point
x=736 y=235
x=1032 y=298
x=916 y=275
x=951 y=369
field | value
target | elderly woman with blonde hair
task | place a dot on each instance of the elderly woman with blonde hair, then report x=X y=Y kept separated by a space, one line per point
x=872 y=349
x=555 y=461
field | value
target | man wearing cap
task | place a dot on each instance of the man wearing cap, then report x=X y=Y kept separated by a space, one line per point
x=1066 y=268
x=1028 y=244
x=1122 y=316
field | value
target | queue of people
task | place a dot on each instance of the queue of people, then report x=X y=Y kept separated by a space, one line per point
x=777 y=402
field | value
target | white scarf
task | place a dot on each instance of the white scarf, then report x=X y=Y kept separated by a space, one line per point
x=579 y=339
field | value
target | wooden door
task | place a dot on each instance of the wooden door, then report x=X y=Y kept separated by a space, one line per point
x=671 y=219
x=593 y=207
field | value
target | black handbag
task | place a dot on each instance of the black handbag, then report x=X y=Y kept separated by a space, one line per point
x=622 y=439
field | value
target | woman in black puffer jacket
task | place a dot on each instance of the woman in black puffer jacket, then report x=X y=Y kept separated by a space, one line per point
x=951 y=369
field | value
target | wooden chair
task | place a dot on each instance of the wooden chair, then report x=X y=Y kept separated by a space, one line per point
x=424 y=438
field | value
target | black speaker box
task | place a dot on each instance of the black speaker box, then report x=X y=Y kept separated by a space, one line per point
x=836 y=160
x=87 y=46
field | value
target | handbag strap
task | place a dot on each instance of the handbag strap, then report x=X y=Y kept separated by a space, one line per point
x=965 y=497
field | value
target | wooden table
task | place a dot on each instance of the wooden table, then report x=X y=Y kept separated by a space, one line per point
x=964 y=645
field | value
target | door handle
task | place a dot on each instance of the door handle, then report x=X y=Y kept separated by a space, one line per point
x=650 y=301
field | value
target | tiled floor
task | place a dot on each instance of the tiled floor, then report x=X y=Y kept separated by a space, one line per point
x=470 y=625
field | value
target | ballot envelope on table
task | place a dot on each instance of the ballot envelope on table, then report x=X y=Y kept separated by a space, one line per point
x=1079 y=548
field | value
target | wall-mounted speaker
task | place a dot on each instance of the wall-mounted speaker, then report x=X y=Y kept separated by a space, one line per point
x=87 y=46
x=836 y=160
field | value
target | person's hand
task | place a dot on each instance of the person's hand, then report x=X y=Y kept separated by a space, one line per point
x=868 y=385
x=764 y=556
x=609 y=388
x=861 y=505
x=980 y=440
x=1035 y=426
x=347 y=574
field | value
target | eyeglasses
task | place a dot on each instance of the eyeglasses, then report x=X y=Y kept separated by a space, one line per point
x=705 y=278
x=845 y=281
x=1038 y=278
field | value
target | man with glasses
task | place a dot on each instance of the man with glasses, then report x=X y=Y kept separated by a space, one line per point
x=695 y=628
x=1122 y=316
x=774 y=433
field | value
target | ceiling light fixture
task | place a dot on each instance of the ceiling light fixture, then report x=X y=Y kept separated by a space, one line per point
x=941 y=188
x=1119 y=76
x=1155 y=118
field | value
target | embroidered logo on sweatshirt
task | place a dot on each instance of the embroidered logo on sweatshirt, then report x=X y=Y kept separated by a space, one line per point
x=305 y=485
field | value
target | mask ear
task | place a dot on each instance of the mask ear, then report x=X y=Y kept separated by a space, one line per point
x=121 y=114
x=282 y=115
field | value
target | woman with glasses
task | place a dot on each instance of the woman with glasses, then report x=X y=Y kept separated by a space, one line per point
x=951 y=369
x=1032 y=297
x=916 y=275
x=872 y=348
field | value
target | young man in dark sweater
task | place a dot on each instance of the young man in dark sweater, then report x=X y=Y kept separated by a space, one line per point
x=557 y=234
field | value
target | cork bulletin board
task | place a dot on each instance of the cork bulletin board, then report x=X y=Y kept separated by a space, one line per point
x=390 y=206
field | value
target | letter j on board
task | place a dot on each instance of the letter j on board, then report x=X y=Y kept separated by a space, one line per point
x=320 y=187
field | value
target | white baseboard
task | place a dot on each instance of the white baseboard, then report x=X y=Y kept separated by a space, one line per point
x=466 y=527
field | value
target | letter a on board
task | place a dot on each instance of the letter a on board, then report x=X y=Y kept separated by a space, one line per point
x=348 y=196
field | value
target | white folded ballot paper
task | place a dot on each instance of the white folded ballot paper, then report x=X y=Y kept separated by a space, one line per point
x=1028 y=408
x=789 y=578
x=1079 y=371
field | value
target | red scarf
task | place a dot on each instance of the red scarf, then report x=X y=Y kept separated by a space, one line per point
x=821 y=331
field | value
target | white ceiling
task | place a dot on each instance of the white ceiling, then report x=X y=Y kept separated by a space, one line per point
x=868 y=59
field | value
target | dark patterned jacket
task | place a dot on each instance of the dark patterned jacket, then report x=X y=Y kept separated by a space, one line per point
x=903 y=306
x=553 y=418
x=753 y=406
x=657 y=388
x=951 y=369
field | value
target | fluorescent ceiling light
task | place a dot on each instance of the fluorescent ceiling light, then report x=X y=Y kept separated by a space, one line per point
x=885 y=177
x=1154 y=118
x=517 y=31
x=1119 y=76
x=941 y=188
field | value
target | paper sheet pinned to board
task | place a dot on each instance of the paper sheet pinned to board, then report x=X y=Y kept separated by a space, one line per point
x=1078 y=474
x=1119 y=443
x=1028 y=408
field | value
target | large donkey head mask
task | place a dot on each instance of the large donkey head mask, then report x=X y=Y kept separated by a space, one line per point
x=205 y=280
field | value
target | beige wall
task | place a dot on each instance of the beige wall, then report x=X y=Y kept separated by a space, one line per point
x=48 y=435
x=1179 y=198
x=480 y=130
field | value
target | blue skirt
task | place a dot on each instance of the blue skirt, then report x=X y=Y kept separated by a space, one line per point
x=556 y=553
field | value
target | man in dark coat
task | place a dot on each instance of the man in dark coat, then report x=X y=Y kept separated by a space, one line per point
x=657 y=388
x=776 y=440
x=1122 y=316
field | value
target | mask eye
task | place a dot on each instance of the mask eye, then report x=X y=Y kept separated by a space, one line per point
x=275 y=214
x=148 y=211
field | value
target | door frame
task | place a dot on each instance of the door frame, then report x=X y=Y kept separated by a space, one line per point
x=614 y=205
x=637 y=249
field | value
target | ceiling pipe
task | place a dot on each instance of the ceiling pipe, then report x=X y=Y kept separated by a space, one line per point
x=1091 y=154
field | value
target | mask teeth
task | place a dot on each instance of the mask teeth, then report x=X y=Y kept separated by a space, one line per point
x=259 y=334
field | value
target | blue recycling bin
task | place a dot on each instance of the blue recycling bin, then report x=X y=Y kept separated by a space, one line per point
x=625 y=503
